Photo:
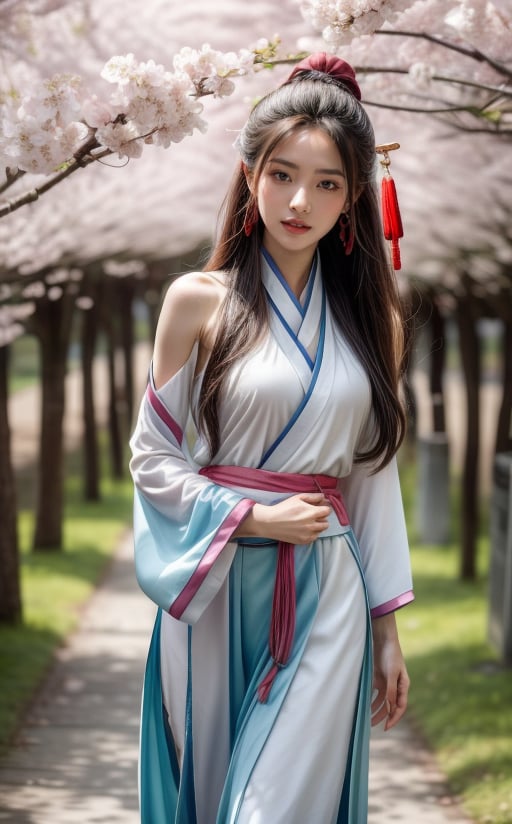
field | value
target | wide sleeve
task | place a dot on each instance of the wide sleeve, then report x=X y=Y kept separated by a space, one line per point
x=182 y=521
x=375 y=508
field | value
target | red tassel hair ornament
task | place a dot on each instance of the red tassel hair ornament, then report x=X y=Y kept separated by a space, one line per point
x=251 y=218
x=346 y=233
x=391 y=218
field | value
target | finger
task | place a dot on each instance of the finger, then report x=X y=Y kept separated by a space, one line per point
x=394 y=716
x=318 y=527
x=322 y=512
x=314 y=498
x=378 y=700
x=397 y=710
x=392 y=681
x=380 y=714
x=320 y=517
x=379 y=709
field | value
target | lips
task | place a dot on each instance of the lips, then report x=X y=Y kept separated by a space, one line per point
x=296 y=227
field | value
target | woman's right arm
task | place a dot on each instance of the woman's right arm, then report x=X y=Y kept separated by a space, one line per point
x=188 y=315
x=183 y=523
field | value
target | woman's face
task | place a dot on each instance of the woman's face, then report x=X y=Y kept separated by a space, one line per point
x=301 y=193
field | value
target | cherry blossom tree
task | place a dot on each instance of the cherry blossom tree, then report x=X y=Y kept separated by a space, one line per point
x=53 y=126
x=449 y=58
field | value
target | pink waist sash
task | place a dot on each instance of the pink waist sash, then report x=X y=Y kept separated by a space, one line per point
x=282 y=624
x=292 y=482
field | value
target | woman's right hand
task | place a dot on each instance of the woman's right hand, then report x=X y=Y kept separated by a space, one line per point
x=299 y=519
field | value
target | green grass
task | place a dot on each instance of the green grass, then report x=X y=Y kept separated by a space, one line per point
x=24 y=366
x=461 y=696
x=55 y=586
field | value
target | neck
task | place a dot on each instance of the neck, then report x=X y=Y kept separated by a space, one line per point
x=295 y=269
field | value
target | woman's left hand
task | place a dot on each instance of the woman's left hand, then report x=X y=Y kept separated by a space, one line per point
x=390 y=678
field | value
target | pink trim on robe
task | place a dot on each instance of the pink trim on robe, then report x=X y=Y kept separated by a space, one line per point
x=220 y=540
x=164 y=414
x=391 y=606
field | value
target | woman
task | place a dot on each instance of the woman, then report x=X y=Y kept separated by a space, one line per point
x=269 y=523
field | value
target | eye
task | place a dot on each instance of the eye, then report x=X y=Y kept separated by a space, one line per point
x=281 y=176
x=329 y=185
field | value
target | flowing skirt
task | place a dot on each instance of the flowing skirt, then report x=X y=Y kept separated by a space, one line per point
x=301 y=756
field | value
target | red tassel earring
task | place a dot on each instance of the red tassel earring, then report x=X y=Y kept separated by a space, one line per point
x=392 y=221
x=251 y=217
x=346 y=233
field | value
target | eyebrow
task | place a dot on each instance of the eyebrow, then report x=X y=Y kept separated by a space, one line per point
x=291 y=165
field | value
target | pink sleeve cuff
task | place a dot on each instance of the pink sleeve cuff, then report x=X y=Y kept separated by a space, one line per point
x=394 y=604
x=221 y=538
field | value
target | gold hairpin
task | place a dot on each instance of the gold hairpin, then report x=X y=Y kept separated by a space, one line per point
x=383 y=149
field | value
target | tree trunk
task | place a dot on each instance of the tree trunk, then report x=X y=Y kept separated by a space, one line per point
x=10 y=592
x=52 y=325
x=437 y=363
x=470 y=359
x=157 y=278
x=410 y=310
x=126 y=292
x=504 y=428
x=91 y=466
x=114 y=422
x=410 y=402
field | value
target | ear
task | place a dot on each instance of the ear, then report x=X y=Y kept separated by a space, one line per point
x=358 y=192
x=349 y=203
x=249 y=177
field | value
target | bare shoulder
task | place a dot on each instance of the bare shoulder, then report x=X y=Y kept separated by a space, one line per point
x=199 y=288
x=189 y=311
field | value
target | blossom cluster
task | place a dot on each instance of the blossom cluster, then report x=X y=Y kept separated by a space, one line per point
x=341 y=20
x=484 y=24
x=42 y=129
x=210 y=70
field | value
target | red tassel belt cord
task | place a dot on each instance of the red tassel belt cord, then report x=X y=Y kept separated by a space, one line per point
x=282 y=623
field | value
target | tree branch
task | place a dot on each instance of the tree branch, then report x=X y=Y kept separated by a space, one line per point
x=10 y=178
x=473 y=110
x=81 y=159
x=438 y=78
x=472 y=53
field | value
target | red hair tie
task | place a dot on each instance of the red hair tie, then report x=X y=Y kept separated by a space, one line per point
x=333 y=66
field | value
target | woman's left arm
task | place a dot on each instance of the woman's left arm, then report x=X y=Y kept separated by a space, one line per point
x=390 y=678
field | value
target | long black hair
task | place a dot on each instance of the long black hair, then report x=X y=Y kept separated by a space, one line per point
x=361 y=287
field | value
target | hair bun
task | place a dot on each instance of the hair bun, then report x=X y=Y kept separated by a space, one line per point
x=333 y=66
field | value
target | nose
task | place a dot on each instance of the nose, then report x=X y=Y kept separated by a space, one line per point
x=299 y=201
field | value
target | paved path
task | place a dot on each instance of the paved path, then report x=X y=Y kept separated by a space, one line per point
x=75 y=760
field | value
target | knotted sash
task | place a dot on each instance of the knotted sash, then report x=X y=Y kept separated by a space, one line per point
x=282 y=624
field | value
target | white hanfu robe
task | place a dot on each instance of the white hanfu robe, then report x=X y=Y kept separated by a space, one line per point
x=211 y=752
